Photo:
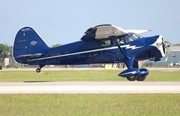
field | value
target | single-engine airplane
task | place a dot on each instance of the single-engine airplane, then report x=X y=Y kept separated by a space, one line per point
x=100 y=44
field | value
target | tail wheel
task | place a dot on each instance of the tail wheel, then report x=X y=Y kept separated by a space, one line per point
x=133 y=78
x=141 y=78
x=38 y=70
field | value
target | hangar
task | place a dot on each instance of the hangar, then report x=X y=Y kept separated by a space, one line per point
x=171 y=59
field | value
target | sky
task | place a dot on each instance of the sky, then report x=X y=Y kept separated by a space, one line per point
x=65 y=21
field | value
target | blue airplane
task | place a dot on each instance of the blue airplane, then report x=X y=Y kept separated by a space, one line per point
x=100 y=44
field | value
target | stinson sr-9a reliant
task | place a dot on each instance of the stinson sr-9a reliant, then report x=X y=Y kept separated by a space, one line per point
x=100 y=44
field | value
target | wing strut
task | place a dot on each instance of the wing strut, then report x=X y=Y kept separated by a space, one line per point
x=127 y=60
x=121 y=50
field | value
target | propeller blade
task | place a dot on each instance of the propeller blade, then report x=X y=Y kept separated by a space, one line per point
x=167 y=46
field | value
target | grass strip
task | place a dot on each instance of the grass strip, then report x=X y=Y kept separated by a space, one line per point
x=90 y=104
x=80 y=75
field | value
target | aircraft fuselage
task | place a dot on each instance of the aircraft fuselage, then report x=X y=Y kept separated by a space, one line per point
x=81 y=52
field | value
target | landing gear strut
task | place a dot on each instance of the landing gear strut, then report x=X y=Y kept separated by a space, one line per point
x=38 y=70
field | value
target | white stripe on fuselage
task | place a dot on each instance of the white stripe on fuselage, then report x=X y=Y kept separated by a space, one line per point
x=83 y=52
x=76 y=53
x=130 y=47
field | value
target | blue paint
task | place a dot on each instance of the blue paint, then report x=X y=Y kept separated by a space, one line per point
x=30 y=49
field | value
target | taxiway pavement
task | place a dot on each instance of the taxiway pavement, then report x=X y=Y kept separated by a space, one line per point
x=88 y=87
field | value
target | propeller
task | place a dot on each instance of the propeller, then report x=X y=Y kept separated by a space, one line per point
x=166 y=46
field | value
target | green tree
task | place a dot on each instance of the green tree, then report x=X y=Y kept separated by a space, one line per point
x=56 y=45
x=176 y=44
x=4 y=49
x=167 y=42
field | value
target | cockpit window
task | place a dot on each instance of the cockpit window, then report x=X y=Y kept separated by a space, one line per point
x=120 y=40
x=135 y=36
x=105 y=42
x=132 y=36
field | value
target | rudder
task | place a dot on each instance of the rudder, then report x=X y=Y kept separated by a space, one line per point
x=28 y=44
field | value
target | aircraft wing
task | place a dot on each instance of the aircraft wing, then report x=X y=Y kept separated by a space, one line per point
x=103 y=32
x=137 y=31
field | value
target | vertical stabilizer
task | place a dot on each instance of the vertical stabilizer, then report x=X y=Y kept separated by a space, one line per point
x=28 y=43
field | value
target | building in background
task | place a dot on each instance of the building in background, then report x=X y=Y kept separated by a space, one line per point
x=171 y=59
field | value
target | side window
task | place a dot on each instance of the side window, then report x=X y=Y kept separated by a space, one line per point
x=105 y=42
x=120 y=40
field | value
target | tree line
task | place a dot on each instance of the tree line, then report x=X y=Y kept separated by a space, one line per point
x=5 y=50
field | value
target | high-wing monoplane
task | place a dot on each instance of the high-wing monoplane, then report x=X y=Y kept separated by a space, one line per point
x=100 y=44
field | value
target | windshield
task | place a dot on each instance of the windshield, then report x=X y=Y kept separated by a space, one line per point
x=132 y=36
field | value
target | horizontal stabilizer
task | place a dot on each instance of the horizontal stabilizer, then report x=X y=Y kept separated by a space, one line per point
x=30 y=55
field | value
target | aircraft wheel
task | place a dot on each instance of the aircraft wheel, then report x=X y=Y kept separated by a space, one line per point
x=38 y=70
x=141 y=78
x=133 y=78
